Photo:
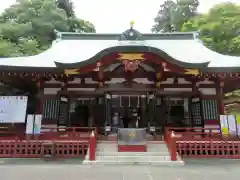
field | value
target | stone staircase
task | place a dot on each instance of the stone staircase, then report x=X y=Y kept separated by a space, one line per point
x=157 y=154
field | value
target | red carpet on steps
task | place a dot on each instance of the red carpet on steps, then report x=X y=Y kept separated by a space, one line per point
x=132 y=148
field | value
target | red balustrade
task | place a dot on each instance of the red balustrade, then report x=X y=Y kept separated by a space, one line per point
x=71 y=133
x=201 y=142
x=40 y=149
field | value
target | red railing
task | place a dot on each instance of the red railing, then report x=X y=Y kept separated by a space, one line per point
x=41 y=149
x=71 y=142
x=201 y=142
x=71 y=133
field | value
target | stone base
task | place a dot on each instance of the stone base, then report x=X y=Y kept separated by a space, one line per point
x=153 y=163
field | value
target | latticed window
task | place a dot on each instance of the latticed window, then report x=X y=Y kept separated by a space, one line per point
x=51 y=109
x=196 y=114
x=209 y=109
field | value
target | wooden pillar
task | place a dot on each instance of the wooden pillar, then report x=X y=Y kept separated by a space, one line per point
x=39 y=96
x=143 y=119
x=38 y=103
x=220 y=95
x=108 y=107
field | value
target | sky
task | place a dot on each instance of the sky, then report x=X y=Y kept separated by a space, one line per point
x=112 y=16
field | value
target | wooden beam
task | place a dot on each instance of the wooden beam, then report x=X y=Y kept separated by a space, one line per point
x=48 y=85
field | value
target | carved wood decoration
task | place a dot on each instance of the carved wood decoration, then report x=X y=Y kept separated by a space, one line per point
x=131 y=61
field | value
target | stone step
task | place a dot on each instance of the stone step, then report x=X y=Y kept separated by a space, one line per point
x=134 y=158
x=161 y=149
x=154 y=163
x=100 y=153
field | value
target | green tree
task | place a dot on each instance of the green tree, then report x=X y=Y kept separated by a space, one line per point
x=219 y=28
x=173 y=14
x=28 y=26
x=67 y=6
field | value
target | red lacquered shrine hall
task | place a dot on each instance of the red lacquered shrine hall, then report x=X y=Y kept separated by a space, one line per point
x=147 y=80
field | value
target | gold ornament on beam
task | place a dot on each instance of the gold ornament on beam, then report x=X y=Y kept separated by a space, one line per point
x=69 y=72
x=158 y=84
x=131 y=56
x=194 y=72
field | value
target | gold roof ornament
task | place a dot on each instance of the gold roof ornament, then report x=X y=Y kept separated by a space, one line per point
x=131 y=23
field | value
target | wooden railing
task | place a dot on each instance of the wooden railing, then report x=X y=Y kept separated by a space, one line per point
x=56 y=133
x=67 y=144
x=42 y=149
x=71 y=133
x=201 y=142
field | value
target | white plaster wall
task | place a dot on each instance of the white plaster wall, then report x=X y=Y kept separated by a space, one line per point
x=75 y=81
x=183 y=81
x=168 y=81
x=178 y=89
x=81 y=89
x=205 y=82
x=143 y=81
x=115 y=81
x=212 y=126
x=208 y=91
x=90 y=81
x=51 y=90
x=52 y=81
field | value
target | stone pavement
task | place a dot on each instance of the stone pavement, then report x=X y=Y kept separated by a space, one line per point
x=193 y=170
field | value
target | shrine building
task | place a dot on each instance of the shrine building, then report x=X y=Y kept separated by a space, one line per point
x=161 y=80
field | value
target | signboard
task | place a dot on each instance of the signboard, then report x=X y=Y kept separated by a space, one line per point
x=224 y=124
x=13 y=109
x=229 y=125
x=132 y=136
x=34 y=123
x=63 y=112
x=238 y=124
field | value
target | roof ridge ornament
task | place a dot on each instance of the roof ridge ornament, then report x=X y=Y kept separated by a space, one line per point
x=131 y=24
x=130 y=34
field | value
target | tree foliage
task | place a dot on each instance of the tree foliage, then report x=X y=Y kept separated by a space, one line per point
x=27 y=27
x=174 y=14
x=219 y=28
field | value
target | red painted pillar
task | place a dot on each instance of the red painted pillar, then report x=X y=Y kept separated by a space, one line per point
x=92 y=147
x=173 y=147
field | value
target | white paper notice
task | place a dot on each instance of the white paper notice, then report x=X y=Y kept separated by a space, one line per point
x=29 y=126
x=37 y=124
x=13 y=109
x=232 y=125
x=224 y=124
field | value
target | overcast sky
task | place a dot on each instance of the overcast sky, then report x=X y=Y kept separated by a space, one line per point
x=114 y=15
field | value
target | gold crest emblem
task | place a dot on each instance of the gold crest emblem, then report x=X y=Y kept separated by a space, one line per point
x=132 y=134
